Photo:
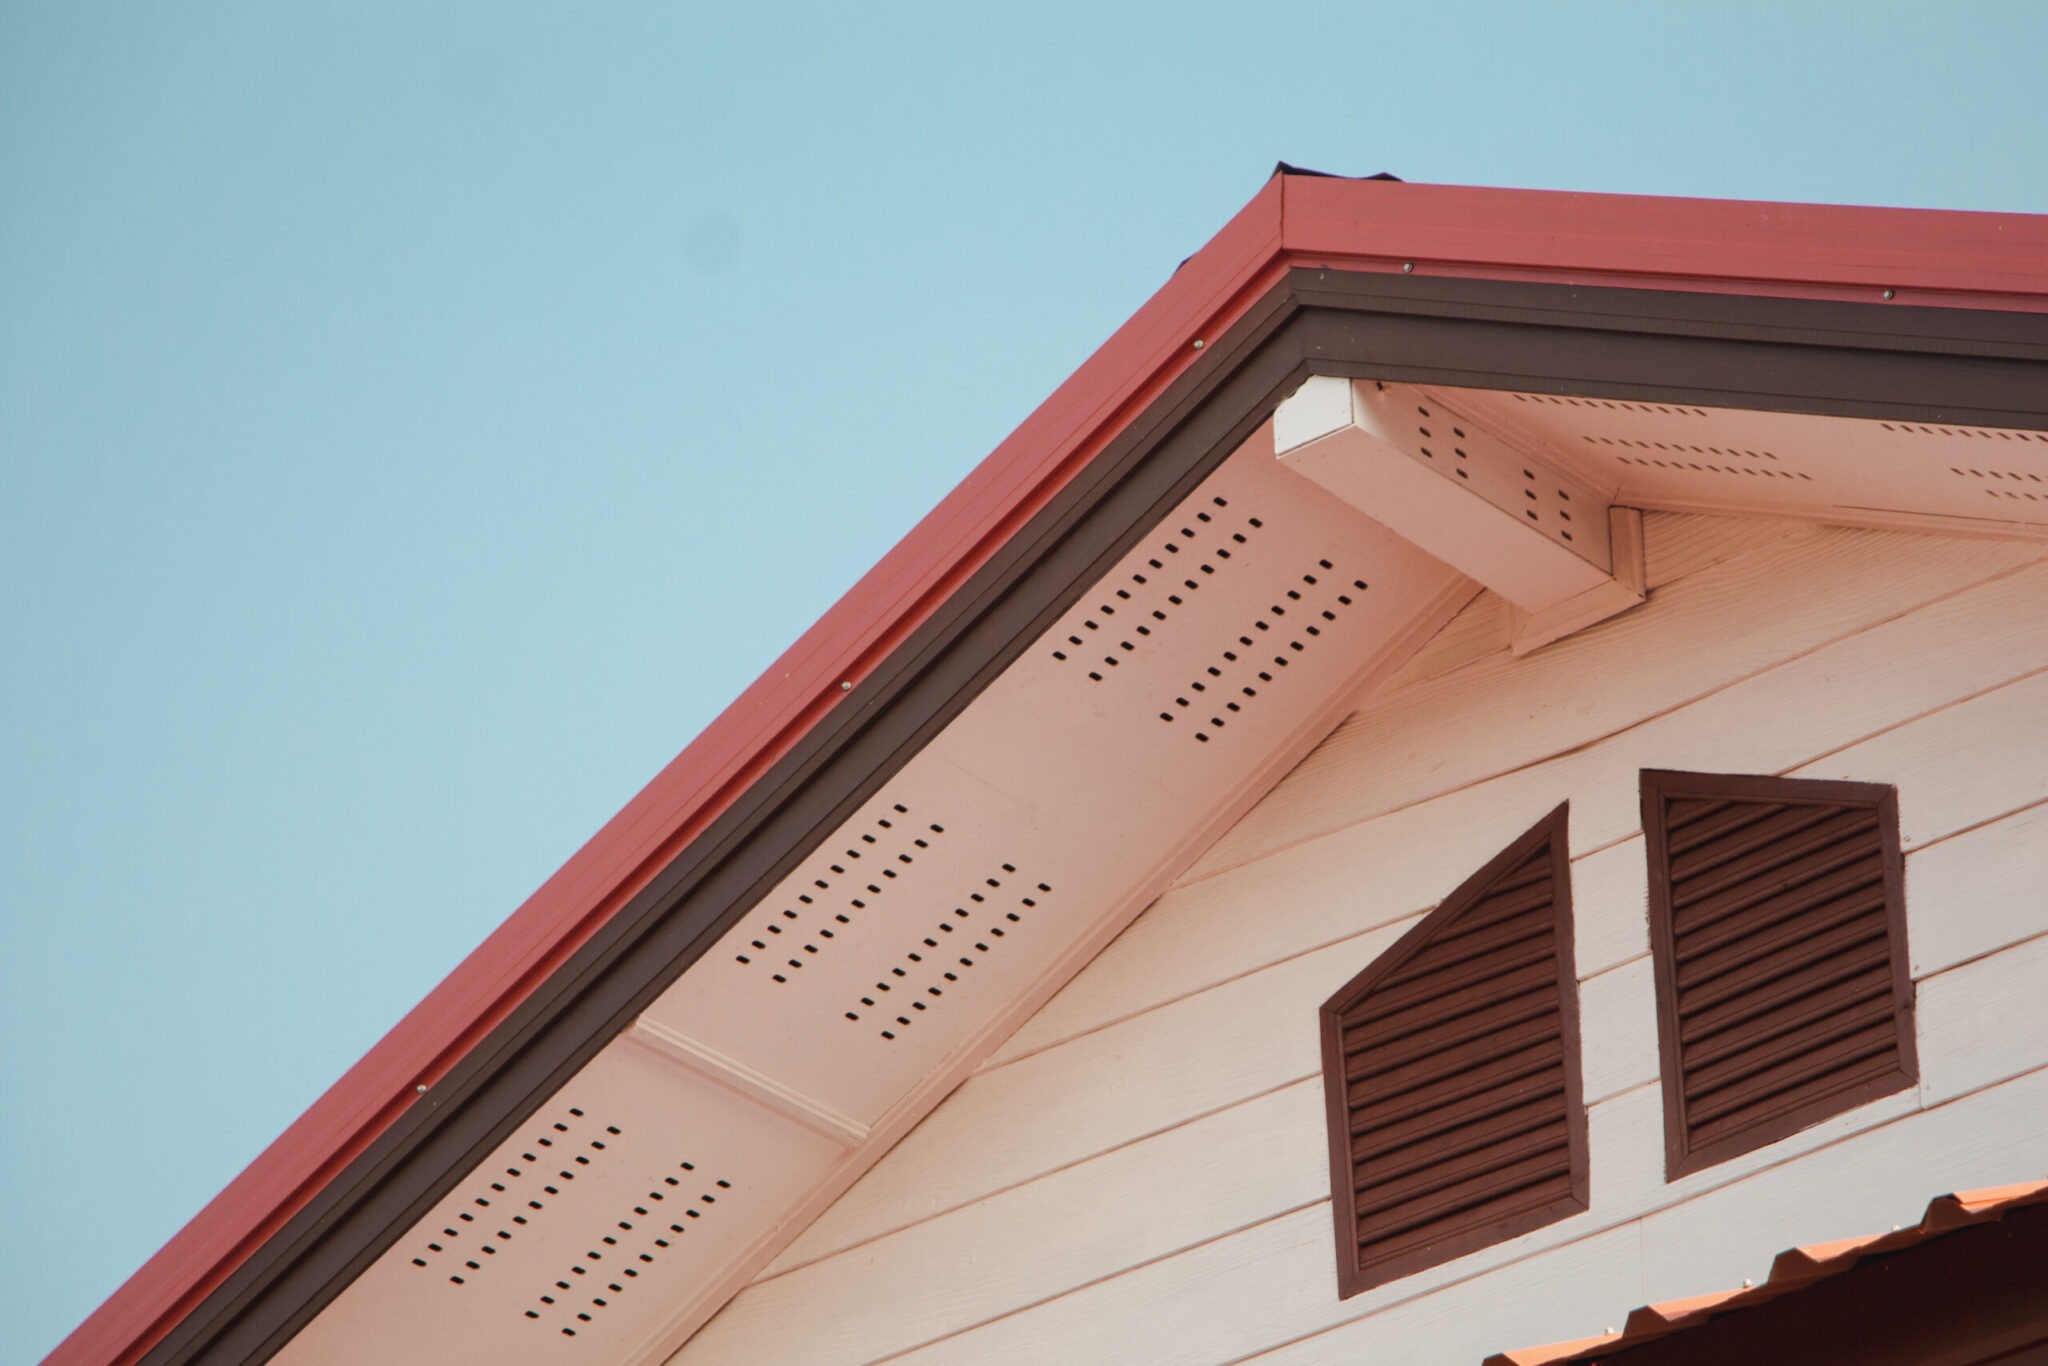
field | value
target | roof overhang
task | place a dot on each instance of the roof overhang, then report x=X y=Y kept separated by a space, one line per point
x=1875 y=315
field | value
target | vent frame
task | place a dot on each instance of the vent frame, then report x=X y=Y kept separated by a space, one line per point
x=1684 y=1155
x=1357 y=1272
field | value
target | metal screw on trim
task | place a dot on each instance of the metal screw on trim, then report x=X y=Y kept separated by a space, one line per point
x=1407 y=267
x=421 y=1088
x=1198 y=343
x=846 y=687
x=1888 y=293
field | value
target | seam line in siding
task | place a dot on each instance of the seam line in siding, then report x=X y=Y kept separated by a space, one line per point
x=1098 y=1280
x=1947 y=968
x=1410 y=917
x=1949 y=705
x=1977 y=825
x=1040 y=1176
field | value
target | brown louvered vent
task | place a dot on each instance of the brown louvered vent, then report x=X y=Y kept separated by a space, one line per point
x=1777 y=918
x=1451 y=1073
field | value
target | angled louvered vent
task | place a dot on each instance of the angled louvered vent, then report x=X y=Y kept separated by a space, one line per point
x=1451 y=1072
x=1777 y=917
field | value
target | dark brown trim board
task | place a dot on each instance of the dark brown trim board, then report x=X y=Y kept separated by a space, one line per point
x=1778 y=932
x=1451 y=1074
x=1968 y=1298
x=1919 y=364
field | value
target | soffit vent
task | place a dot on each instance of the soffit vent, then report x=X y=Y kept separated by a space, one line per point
x=1777 y=918
x=1860 y=470
x=585 y=1233
x=1237 y=675
x=1451 y=1074
x=1141 y=601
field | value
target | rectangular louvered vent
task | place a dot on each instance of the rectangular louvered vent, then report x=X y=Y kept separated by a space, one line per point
x=1451 y=1072
x=1777 y=918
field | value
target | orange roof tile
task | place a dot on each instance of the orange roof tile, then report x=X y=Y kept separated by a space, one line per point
x=1794 y=1269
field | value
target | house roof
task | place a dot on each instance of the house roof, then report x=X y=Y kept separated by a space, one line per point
x=1800 y=1269
x=1906 y=315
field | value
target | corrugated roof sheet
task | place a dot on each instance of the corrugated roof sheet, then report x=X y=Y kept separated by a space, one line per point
x=1794 y=1270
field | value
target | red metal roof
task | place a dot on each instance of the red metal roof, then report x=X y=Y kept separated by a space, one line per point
x=1793 y=1270
x=1979 y=260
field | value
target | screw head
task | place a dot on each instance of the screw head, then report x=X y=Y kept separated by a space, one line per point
x=1889 y=293
x=1198 y=343
x=846 y=687
x=421 y=1088
x=1407 y=267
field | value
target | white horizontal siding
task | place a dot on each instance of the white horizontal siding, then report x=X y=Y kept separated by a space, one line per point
x=1711 y=629
x=1140 y=1173
x=1266 y=1293
x=1824 y=697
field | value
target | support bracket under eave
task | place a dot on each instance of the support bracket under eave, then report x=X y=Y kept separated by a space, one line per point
x=1559 y=551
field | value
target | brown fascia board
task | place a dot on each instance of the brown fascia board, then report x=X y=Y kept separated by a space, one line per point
x=1985 y=368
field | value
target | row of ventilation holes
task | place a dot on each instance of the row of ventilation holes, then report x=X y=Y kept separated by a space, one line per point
x=1909 y=429
x=618 y=1287
x=1749 y=470
x=1459 y=470
x=1174 y=599
x=2014 y=475
x=991 y=931
x=515 y=1173
x=1675 y=449
x=773 y=926
x=1279 y=661
x=1665 y=409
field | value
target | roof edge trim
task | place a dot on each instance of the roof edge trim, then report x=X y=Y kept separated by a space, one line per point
x=1129 y=394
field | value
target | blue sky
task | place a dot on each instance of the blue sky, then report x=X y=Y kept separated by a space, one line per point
x=417 y=421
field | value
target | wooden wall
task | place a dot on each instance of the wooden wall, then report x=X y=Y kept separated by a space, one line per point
x=1139 y=1175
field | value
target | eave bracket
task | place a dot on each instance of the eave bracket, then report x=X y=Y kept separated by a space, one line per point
x=1553 y=546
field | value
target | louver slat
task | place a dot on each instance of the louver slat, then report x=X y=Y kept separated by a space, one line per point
x=1777 y=917
x=1451 y=1070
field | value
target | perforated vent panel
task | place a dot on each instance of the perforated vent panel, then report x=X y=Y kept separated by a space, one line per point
x=1451 y=1074
x=596 y=1227
x=914 y=934
x=951 y=893
x=1692 y=458
x=1568 y=512
x=1777 y=916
